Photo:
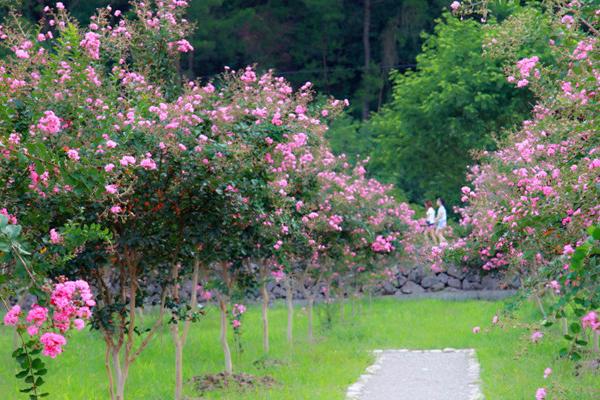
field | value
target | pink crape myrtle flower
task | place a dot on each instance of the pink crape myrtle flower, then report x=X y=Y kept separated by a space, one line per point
x=37 y=315
x=476 y=329
x=182 y=46
x=455 y=5
x=547 y=372
x=590 y=320
x=536 y=336
x=55 y=237
x=112 y=189
x=540 y=394
x=12 y=316
x=53 y=343
x=79 y=324
x=73 y=154
x=238 y=309
x=91 y=43
x=49 y=123
x=148 y=163
x=236 y=324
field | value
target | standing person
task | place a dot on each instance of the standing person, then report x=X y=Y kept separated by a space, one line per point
x=441 y=220
x=430 y=221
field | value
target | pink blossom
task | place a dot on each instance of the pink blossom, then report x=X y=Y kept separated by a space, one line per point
x=73 y=154
x=111 y=144
x=236 y=324
x=590 y=320
x=116 y=209
x=109 y=167
x=568 y=20
x=495 y=320
x=49 y=123
x=126 y=160
x=55 y=237
x=20 y=53
x=53 y=343
x=547 y=372
x=455 y=5
x=568 y=250
x=536 y=336
x=540 y=394
x=476 y=329
x=112 y=189
x=182 y=45
x=79 y=324
x=12 y=316
x=38 y=315
x=91 y=43
x=33 y=330
x=148 y=163
x=238 y=309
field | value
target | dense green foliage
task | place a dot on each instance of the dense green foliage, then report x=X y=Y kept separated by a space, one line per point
x=451 y=105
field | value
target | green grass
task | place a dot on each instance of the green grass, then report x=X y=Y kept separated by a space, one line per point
x=512 y=367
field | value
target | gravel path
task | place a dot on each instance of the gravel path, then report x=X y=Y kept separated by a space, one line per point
x=447 y=374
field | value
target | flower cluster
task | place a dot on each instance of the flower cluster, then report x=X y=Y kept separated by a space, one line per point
x=70 y=307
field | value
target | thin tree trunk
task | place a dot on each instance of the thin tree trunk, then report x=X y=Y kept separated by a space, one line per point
x=120 y=375
x=539 y=304
x=367 y=54
x=311 y=301
x=107 y=358
x=596 y=341
x=289 y=296
x=224 y=343
x=178 y=361
x=565 y=326
x=342 y=308
x=265 y=316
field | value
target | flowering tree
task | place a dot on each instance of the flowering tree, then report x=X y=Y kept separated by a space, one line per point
x=533 y=203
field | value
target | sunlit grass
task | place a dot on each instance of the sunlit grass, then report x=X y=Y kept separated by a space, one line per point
x=512 y=367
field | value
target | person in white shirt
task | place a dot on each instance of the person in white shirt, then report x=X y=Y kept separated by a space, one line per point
x=430 y=221
x=441 y=220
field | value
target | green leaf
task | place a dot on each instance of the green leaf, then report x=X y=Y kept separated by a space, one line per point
x=37 y=364
x=22 y=374
x=575 y=327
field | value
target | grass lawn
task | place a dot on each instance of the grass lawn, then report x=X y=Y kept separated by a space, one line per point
x=512 y=367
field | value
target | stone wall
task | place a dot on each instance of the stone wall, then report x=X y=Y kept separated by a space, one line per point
x=411 y=281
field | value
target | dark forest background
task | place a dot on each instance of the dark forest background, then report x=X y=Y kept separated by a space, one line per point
x=422 y=95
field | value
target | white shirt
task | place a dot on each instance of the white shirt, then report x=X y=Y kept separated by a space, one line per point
x=430 y=216
x=441 y=215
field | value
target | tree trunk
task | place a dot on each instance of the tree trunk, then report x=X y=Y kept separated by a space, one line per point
x=120 y=373
x=265 y=316
x=367 y=54
x=224 y=343
x=596 y=341
x=311 y=301
x=177 y=340
x=289 y=296
x=538 y=300
x=342 y=308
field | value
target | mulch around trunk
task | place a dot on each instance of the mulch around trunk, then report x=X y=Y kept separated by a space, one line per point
x=220 y=381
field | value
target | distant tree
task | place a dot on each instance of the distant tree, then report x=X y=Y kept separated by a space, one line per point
x=440 y=113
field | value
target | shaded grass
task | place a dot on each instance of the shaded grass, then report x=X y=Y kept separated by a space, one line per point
x=512 y=367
